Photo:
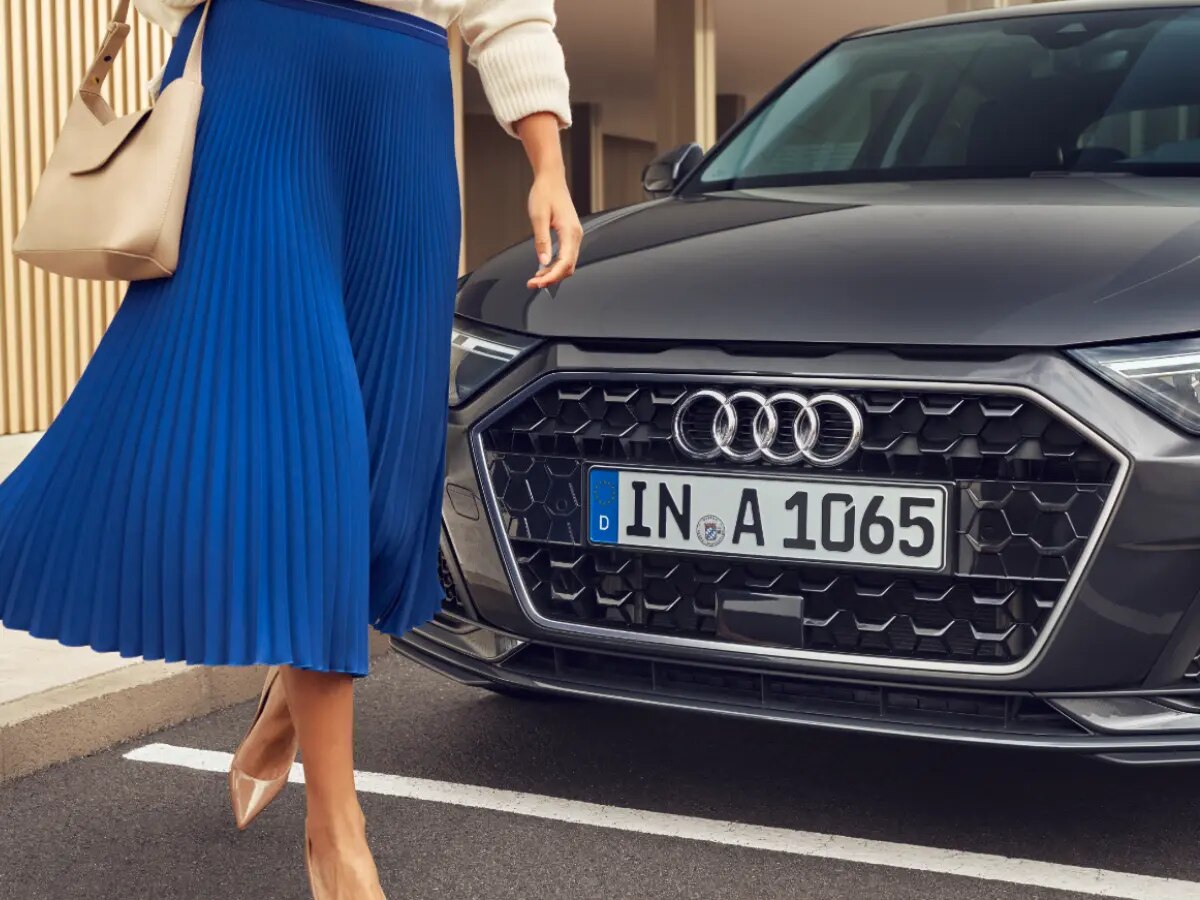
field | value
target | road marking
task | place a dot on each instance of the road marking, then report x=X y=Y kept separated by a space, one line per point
x=983 y=866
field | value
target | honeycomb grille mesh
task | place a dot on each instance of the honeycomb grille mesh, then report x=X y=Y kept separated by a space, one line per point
x=907 y=433
x=1028 y=493
x=790 y=692
x=452 y=602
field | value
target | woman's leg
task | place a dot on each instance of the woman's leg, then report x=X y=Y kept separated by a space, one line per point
x=322 y=707
x=269 y=750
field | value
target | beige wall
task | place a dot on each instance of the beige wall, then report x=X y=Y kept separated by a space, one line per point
x=497 y=184
x=624 y=160
x=685 y=73
x=496 y=191
x=50 y=326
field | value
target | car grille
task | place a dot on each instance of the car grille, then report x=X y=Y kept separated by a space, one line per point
x=1193 y=669
x=451 y=602
x=788 y=693
x=1030 y=490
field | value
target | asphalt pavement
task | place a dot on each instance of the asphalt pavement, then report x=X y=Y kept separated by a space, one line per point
x=114 y=828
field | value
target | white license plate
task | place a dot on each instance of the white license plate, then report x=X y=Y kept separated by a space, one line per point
x=897 y=525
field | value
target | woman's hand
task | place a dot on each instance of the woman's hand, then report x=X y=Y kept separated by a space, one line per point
x=550 y=206
x=551 y=209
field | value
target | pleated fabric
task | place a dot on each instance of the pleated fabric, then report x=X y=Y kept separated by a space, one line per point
x=250 y=468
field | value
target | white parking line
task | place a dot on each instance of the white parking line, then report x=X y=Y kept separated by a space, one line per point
x=1097 y=882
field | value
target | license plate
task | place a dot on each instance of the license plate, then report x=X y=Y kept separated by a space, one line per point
x=897 y=525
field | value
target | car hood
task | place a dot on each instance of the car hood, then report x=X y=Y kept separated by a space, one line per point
x=1033 y=262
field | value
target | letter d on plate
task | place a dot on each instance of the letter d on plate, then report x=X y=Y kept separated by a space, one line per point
x=604 y=493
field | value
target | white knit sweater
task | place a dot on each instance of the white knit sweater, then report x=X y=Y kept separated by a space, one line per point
x=512 y=43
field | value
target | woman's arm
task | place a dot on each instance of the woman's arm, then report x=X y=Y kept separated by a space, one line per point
x=512 y=43
x=550 y=204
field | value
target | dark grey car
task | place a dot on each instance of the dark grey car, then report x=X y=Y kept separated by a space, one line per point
x=885 y=416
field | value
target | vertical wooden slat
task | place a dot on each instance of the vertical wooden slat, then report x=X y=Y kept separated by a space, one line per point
x=40 y=34
x=52 y=38
x=29 y=115
x=95 y=12
x=50 y=326
x=9 y=408
x=78 y=303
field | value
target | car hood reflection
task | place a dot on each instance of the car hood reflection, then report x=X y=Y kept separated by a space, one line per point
x=1022 y=263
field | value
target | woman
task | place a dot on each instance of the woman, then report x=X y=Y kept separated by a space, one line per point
x=250 y=468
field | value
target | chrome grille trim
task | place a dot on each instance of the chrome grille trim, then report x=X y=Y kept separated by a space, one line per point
x=847 y=660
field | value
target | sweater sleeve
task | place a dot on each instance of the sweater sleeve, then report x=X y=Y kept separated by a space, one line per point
x=513 y=45
x=167 y=13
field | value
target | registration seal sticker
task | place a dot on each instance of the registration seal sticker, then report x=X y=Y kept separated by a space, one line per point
x=710 y=530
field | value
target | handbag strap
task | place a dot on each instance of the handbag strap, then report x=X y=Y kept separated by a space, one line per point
x=118 y=33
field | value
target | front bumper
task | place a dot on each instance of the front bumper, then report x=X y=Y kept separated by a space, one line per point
x=452 y=647
x=1130 y=626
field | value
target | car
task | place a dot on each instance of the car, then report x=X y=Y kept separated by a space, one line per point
x=882 y=416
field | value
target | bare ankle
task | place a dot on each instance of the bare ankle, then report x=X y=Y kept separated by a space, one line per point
x=336 y=828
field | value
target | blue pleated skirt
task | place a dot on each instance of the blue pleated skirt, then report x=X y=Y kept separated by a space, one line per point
x=250 y=468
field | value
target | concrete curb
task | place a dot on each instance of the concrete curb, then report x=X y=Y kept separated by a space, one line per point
x=82 y=718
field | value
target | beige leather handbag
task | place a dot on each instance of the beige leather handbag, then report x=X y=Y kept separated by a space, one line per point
x=110 y=205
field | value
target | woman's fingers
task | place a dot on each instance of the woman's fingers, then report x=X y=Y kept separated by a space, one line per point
x=563 y=268
x=553 y=275
x=570 y=238
x=541 y=236
x=540 y=221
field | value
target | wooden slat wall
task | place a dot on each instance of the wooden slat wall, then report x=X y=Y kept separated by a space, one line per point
x=49 y=326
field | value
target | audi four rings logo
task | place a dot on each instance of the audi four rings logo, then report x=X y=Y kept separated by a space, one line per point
x=765 y=430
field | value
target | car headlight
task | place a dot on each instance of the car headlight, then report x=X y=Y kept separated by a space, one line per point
x=479 y=354
x=1164 y=375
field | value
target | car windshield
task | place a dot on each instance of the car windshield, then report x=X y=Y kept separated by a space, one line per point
x=1012 y=97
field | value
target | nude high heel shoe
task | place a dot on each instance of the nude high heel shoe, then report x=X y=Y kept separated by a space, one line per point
x=250 y=795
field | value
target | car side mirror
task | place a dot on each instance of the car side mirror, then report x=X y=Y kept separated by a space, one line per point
x=668 y=171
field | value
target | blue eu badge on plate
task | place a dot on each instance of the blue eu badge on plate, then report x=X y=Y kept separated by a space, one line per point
x=603 y=503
